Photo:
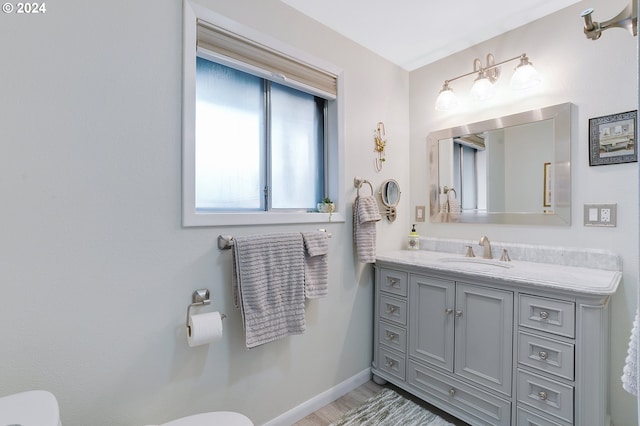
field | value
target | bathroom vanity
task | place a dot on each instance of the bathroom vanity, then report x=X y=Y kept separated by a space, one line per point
x=495 y=342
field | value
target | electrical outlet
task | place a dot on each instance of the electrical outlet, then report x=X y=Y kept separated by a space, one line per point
x=600 y=215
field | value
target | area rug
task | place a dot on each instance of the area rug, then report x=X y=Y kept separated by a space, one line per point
x=388 y=408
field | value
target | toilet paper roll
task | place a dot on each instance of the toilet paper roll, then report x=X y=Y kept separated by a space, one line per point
x=204 y=329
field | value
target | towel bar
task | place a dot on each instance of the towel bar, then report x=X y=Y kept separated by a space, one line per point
x=225 y=242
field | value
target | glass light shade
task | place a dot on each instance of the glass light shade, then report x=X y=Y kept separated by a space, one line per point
x=447 y=100
x=525 y=77
x=482 y=89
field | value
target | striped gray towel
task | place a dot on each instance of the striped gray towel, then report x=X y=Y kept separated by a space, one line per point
x=316 y=264
x=365 y=216
x=269 y=280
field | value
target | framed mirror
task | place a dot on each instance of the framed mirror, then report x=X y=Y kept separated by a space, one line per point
x=514 y=169
x=390 y=196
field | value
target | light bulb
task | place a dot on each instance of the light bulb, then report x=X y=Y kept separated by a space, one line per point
x=482 y=89
x=525 y=76
x=447 y=100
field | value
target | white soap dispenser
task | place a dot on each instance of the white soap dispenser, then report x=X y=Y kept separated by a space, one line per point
x=414 y=239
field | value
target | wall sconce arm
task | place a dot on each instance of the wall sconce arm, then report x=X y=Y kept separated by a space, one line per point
x=626 y=19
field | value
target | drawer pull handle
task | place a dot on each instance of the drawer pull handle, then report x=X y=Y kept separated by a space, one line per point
x=391 y=335
x=390 y=363
x=391 y=309
x=542 y=395
x=452 y=392
x=448 y=311
x=458 y=314
x=543 y=355
x=393 y=283
x=544 y=315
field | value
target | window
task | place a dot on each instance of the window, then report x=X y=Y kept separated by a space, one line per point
x=469 y=174
x=261 y=127
x=259 y=145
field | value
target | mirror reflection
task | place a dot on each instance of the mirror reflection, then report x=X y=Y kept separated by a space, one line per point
x=513 y=169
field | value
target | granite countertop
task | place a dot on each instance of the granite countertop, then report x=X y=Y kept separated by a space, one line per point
x=577 y=279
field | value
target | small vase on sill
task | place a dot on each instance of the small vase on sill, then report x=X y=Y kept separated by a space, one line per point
x=326 y=207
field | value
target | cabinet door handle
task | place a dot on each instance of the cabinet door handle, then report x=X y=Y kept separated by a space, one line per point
x=390 y=363
x=391 y=309
x=448 y=311
x=452 y=392
x=391 y=335
x=393 y=283
x=544 y=315
x=542 y=395
x=543 y=355
x=458 y=314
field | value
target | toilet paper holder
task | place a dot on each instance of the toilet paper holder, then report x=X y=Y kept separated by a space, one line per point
x=199 y=298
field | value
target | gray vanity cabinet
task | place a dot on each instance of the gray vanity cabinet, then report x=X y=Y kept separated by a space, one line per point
x=448 y=342
x=491 y=351
x=470 y=324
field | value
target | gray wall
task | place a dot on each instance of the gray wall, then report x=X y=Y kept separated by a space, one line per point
x=96 y=271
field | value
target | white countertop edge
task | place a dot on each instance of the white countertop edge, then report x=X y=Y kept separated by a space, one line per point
x=552 y=276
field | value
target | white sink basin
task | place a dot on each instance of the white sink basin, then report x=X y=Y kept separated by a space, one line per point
x=477 y=261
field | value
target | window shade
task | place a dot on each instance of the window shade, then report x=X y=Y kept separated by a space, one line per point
x=238 y=48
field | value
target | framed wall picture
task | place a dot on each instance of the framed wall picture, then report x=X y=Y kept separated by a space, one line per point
x=612 y=139
x=546 y=186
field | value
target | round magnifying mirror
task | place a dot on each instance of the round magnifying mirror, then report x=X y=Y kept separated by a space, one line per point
x=390 y=195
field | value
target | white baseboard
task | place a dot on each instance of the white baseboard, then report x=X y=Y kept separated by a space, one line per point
x=303 y=410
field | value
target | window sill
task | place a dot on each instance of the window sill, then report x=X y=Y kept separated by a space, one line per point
x=259 y=218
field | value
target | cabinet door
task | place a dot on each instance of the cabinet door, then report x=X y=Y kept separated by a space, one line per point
x=431 y=320
x=484 y=336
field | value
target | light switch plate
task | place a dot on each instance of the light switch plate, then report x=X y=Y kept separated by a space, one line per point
x=600 y=215
x=420 y=212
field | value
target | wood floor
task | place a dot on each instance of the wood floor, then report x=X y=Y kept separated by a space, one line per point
x=333 y=411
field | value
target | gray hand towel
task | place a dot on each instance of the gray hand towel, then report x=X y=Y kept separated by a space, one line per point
x=316 y=267
x=365 y=216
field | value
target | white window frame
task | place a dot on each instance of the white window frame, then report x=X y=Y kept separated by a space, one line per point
x=335 y=131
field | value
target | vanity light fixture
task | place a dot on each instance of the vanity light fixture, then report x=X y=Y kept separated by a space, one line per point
x=524 y=77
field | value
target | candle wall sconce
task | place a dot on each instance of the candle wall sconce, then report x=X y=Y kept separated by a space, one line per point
x=380 y=143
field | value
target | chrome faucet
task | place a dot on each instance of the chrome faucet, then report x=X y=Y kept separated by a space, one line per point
x=484 y=242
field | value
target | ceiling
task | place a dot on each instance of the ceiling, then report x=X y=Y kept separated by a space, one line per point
x=414 y=33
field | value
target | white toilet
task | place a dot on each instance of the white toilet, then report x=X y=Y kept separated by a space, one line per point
x=31 y=408
x=40 y=408
x=222 y=418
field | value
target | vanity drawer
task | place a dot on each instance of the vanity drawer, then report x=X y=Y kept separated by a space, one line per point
x=546 y=395
x=392 y=336
x=486 y=409
x=392 y=363
x=550 y=315
x=526 y=418
x=392 y=309
x=393 y=281
x=546 y=354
